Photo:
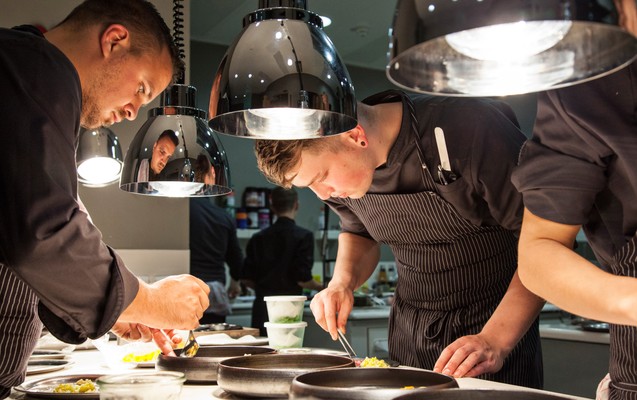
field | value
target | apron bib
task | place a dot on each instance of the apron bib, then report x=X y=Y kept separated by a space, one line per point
x=623 y=338
x=452 y=275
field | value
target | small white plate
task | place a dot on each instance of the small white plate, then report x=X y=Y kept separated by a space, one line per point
x=42 y=366
x=47 y=355
x=222 y=339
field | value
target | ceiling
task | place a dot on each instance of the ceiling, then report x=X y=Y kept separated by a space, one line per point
x=359 y=28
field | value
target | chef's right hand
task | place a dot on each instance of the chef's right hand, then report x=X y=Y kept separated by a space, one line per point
x=175 y=302
x=331 y=307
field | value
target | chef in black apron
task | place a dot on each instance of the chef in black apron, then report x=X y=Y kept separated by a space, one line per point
x=450 y=215
x=580 y=170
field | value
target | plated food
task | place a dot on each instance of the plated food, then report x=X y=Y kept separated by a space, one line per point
x=45 y=388
x=80 y=386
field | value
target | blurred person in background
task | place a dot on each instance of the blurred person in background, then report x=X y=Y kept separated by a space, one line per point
x=279 y=259
x=213 y=244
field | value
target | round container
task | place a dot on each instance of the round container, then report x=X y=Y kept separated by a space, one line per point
x=203 y=367
x=285 y=309
x=155 y=385
x=478 y=394
x=366 y=383
x=268 y=376
x=285 y=336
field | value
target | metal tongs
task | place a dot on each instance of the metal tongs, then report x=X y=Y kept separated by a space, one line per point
x=348 y=348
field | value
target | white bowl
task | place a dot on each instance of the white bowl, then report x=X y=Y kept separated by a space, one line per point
x=285 y=309
x=285 y=336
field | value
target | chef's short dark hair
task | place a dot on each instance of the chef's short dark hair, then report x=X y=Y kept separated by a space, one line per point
x=148 y=30
x=276 y=158
x=283 y=200
x=170 y=134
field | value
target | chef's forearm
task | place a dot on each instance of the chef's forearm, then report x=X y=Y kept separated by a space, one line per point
x=513 y=316
x=356 y=260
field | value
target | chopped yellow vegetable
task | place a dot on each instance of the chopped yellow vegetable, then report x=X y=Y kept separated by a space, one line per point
x=81 y=386
x=374 y=362
x=131 y=357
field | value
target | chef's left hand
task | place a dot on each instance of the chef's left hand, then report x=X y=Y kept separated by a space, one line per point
x=469 y=356
x=165 y=339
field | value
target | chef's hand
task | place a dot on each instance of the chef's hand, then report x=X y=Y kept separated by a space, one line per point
x=469 y=356
x=176 y=302
x=330 y=303
x=165 y=339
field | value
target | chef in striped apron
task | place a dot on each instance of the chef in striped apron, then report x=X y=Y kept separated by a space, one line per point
x=579 y=170
x=429 y=177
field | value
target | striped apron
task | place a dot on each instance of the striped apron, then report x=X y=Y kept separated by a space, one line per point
x=623 y=338
x=20 y=329
x=452 y=275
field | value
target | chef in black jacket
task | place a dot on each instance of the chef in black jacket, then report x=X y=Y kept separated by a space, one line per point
x=430 y=177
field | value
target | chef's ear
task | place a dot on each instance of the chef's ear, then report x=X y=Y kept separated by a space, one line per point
x=358 y=136
x=114 y=39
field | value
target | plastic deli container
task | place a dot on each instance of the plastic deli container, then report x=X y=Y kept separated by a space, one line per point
x=285 y=309
x=285 y=336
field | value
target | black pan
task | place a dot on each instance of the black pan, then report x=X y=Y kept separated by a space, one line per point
x=271 y=375
x=478 y=394
x=202 y=368
x=365 y=383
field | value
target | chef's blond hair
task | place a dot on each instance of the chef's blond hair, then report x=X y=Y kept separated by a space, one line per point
x=276 y=158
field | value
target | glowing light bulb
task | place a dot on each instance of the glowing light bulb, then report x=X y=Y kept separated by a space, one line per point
x=282 y=122
x=99 y=170
x=511 y=41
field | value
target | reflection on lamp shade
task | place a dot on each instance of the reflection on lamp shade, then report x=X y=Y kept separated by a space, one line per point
x=282 y=62
x=175 y=153
x=99 y=157
x=505 y=47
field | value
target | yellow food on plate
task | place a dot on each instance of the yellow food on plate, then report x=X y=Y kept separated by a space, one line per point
x=374 y=362
x=132 y=357
x=81 y=386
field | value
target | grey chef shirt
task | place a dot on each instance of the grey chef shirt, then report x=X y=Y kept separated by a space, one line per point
x=580 y=167
x=483 y=140
x=83 y=286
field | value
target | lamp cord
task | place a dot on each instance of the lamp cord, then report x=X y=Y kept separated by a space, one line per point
x=303 y=97
x=178 y=36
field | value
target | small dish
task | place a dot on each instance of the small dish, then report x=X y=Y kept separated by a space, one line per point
x=43 y=388
x=47 y=355
x=42 y=366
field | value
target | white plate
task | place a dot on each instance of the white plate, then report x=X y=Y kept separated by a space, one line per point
x=39 y=354
x=222 y=339
x=43 y=388
x=42 y=366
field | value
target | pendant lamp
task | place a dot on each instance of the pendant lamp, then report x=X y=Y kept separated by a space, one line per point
x=175 y=153
x=506 y=47
x=99 y=157
x=282 y=78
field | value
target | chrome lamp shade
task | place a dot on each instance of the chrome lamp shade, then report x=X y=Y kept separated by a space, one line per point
x=99 y=157
x=175 y=153
x=505 y=47
x=282 y=78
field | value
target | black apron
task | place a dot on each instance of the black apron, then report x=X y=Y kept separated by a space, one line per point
x=623 y=338
x=452 y=275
